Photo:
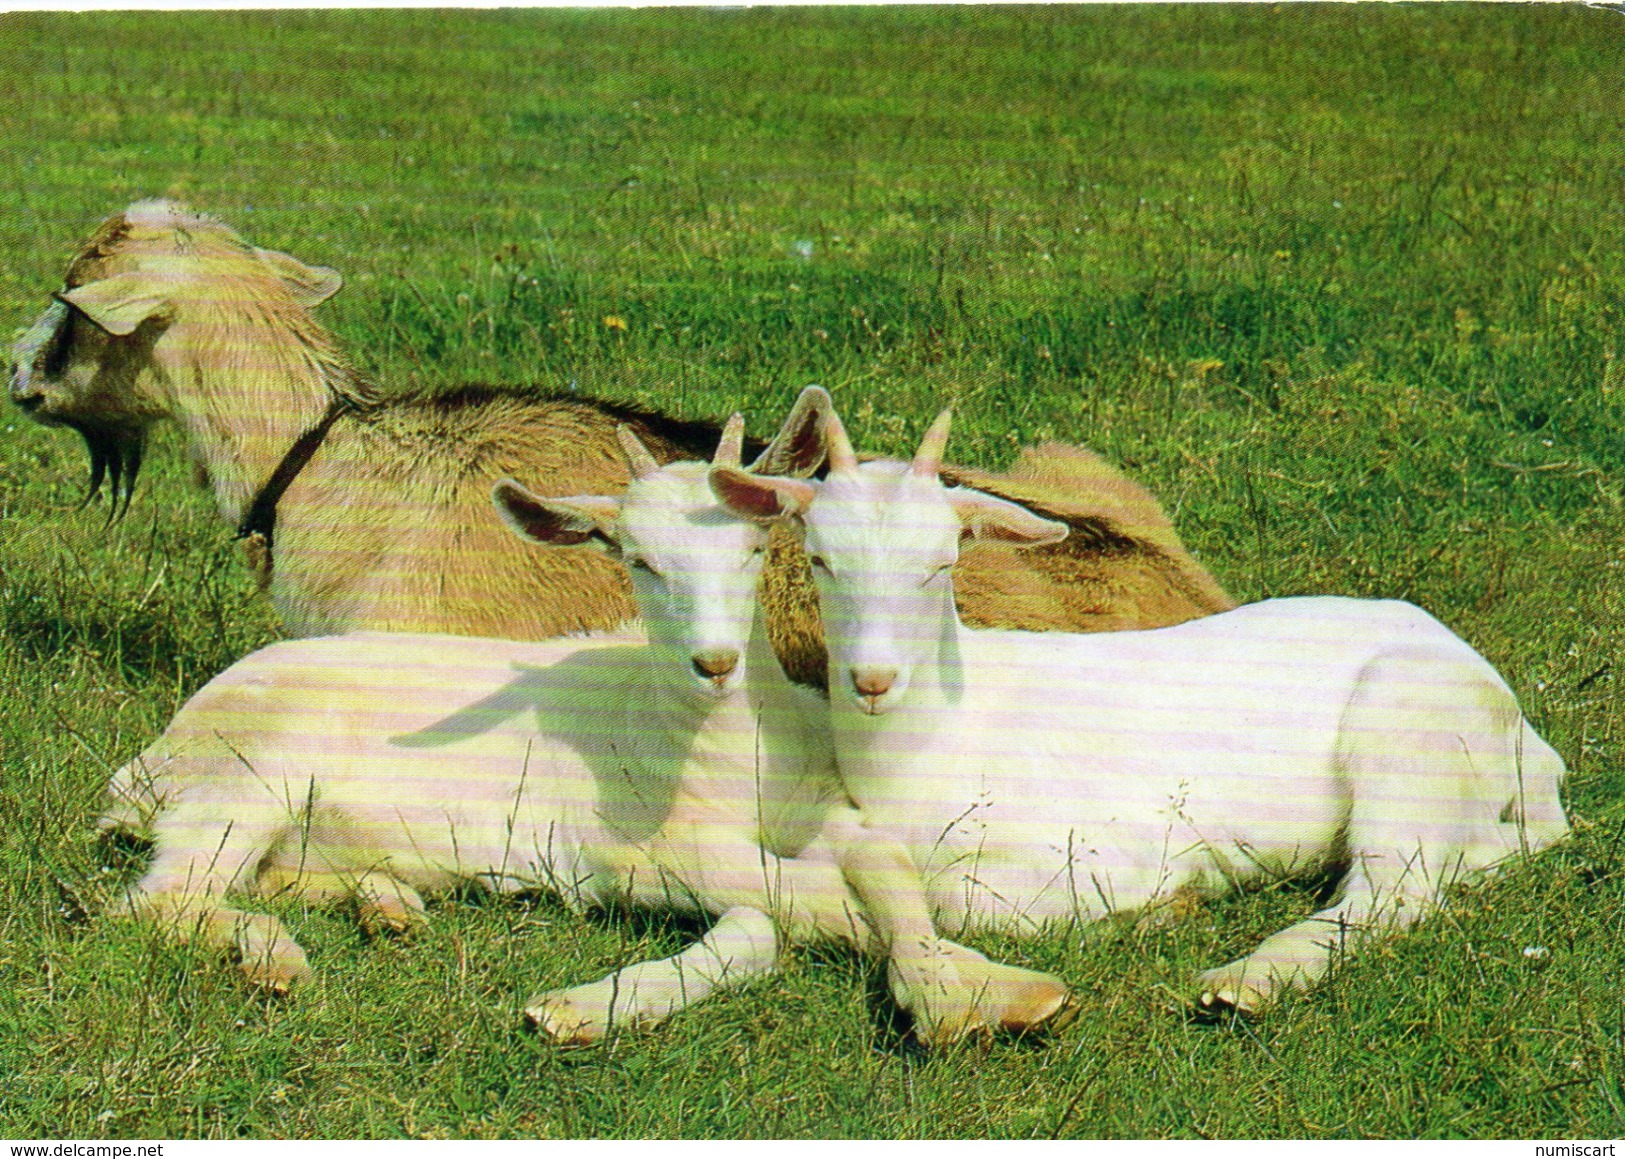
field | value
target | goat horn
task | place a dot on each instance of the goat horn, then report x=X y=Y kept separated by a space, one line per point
x=928 y=459
x=841 y=456
x=637 y=455
x=732 y=445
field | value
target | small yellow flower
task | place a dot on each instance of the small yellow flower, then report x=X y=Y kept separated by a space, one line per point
x=614 y=322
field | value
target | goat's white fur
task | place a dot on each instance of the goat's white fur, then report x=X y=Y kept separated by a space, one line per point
x=607 y=770
x=1038 y=777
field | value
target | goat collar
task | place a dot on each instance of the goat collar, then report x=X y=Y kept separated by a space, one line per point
x=260 y=518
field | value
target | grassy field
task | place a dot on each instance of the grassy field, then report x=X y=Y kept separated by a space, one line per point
x=1342 y=284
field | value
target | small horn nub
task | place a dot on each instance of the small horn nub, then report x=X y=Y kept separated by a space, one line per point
x=637 y=455
x=732 y=446
x=841 y=456
x=928 y=459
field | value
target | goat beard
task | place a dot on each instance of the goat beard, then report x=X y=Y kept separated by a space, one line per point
x=115 y=455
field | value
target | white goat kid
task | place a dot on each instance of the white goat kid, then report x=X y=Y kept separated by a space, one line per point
x=1038 y=777
x=606 y=770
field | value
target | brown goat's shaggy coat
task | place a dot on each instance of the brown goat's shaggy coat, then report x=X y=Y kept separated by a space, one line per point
x=388 y=524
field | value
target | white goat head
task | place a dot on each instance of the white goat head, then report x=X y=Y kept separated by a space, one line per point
x=882 y=538
x=694 y=564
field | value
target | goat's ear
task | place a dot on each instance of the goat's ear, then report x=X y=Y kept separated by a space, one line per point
x=760 y=498
x=577 y=520
x=311 y=285
x=798 y=449
x=984 y=516
x=117 y=304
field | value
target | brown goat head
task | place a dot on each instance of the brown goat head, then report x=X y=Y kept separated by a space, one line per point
x=154 y=291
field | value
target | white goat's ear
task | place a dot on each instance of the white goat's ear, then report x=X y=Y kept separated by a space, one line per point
x=117 y=304
x=984 y=516
x=798 y=449
x=760 y=498
x=311 y=285
x=577 y=520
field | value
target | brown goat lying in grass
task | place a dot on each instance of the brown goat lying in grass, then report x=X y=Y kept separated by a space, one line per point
x=364 y=512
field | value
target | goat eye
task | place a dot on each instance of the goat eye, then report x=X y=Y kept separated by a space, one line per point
x=55 y=361
x=638 y=563
x=818 y=562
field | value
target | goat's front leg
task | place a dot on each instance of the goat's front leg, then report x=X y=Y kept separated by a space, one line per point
x=856 y=887
x=741 y=947
x=951 y=990
x=853 y=887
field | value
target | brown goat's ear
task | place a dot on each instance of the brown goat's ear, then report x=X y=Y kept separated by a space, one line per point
x=117 y=304
x=311 y=285
x=578 y=520
x=984 y=516
x=798 y=449
x=760 y=498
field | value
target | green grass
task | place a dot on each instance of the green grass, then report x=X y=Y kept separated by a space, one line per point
x=1342 y=284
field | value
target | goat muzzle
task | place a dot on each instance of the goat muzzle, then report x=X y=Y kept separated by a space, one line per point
x=871 y=685
x=715 y=666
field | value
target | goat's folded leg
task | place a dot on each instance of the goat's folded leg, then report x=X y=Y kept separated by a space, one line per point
x=1433 y=755
x=999 y=996
x=1299 y=956
x=198 y=860
x=741 y=947
x=949 y=989
x=266 y=954
x=384 y=904
x=856 y=888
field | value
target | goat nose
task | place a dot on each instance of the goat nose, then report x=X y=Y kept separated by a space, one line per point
x=25 y=395
x=716 y=665
x=873 y=681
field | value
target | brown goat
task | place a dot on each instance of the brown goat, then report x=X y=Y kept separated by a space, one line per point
x=359 y=512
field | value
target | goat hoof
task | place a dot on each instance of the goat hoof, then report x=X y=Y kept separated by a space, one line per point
x=951 y=1033
x=1045 y=1006
x=387 y=922
x=558 y=1019
x=1034 y=1002
x=276 y=978
x=1065 y=1016
x=1226 y=1003
x=1227 y=991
